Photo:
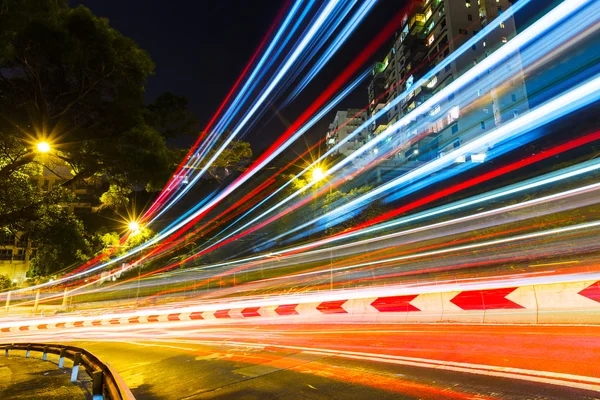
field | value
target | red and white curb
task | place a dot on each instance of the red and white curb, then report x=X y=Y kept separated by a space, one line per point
x=556 y=303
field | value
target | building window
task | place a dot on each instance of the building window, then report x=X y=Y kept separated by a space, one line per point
x=430 y=40
x=428 y=14
x=432 y=82
x=513 y=97
x=474 y=47
x=501 y=25
x=463 y=31
x=454 y=129
x=504 y=39
x=447 y=68
x=469 y=17
x=468 y=3
x=453 y=114
x=482 y=123
x=499 y=10
x=484 y=43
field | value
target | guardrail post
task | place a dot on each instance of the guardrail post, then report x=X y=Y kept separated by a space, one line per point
x=37 y=300
x=6 y=351
x=75 y=370
x=7 y=301
x=61 y=359
x=97 y=381
x=45 y=356
x=64 y=303
x=28 y=352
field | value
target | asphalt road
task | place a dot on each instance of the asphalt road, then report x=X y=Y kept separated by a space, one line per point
x=356 y=361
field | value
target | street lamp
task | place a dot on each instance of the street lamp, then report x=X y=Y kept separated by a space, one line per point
x=43 y=147
x=317 y=174
x=134 y=227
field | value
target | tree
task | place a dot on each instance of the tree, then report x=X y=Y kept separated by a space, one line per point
x=68 y=78
x=5 y=282
x=169 y=114
x=234 y=158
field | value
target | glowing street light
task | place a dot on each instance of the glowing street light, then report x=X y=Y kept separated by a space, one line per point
x=317 y=174
x=43 y=147
x=134 y=226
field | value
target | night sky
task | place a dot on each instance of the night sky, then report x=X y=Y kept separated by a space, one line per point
x=201 y=47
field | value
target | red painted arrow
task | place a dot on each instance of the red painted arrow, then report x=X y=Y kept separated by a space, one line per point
x=592 y=292
x=222 y=314
x=43 y=326
x=251 y=312
x=78 y=324
x=23 y=328
x=114 y=321
x=61 y=324
x=395 y=303
x=151 y=318
x=491 y=299
x=332 y=307
x=174 y=317
x=287 y=309
x=134 y=320
x=5 y=329
x=196 y=315
x=96 y=323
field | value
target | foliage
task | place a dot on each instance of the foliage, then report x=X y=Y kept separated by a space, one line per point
x=337 y=198
x=5 y=282
x=234 y=158
x=115 y=198
x=169 y=114
x=68 y=78
x=60 y=240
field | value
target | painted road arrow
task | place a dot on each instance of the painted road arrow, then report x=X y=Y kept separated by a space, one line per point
x=287 y=309
x=592 y=292
x=395 y=303
x=250 y=312
x=332 y=307
x=491 y=299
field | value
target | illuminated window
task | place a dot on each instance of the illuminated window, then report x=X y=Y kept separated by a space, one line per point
x=504 y=39
x=484 y=43
x=453 y=114
x=435 y=110
x=430 y=40
x=428 y=14
x=431 y=25
x=432 y=82
x=468 y=3
x=502 y=25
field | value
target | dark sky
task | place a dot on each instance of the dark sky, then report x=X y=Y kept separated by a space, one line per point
x=201 y=47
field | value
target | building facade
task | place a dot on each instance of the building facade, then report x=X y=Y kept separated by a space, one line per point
x=432 y=31
x=345 y=123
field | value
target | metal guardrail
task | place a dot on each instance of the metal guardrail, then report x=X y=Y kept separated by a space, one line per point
x=106 y=383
